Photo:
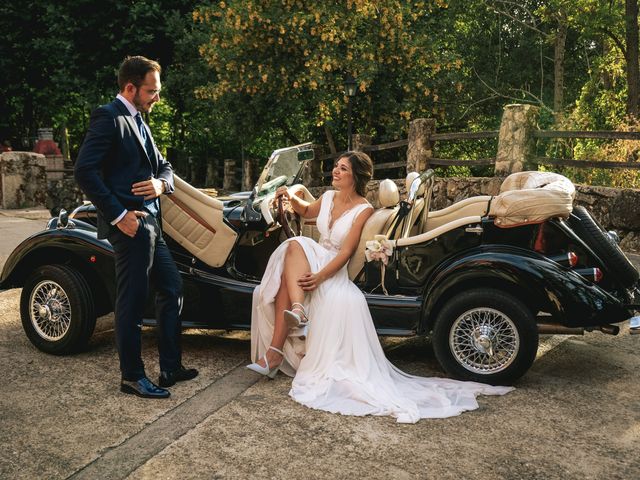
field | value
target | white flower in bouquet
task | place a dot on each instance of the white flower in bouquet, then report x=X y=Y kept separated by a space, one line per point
x=380 y=248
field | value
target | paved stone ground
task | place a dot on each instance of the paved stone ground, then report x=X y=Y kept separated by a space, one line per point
x=16 y=225
x=575 y=415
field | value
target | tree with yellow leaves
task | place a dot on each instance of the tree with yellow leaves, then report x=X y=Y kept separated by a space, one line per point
x=283 y=63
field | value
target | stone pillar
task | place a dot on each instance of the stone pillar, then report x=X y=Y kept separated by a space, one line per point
x=248 y=174
x=23 y=182
x=45 y=144
x=516 y=143
x=229 y=180
x=420 y=148
x=212 y=174
x=360 y=140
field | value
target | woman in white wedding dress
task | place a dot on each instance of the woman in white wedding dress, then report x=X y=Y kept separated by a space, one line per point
x=310 y=321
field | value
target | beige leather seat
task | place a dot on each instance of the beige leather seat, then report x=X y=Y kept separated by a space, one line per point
x=378 y=223
x=469 y=207
x=195 y=221
x=474 y=206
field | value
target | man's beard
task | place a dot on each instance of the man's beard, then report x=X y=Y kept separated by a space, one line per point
x=144 y=108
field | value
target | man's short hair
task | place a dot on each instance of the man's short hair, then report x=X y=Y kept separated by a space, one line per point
x=134 y=69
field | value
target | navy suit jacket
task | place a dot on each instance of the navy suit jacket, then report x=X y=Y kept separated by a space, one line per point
x=112 y=158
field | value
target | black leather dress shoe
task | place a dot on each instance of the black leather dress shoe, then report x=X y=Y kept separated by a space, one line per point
x=144 y=388
x=167 y=379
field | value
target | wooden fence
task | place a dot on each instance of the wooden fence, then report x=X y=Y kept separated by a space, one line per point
x=517 y=142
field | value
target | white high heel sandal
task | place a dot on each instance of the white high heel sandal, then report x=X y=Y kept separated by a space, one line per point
x=266 y=370
x=297 y=316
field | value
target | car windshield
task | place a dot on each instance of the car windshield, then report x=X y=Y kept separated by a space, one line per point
x=281 y=169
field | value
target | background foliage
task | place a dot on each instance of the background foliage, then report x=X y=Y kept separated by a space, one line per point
x=242 y=77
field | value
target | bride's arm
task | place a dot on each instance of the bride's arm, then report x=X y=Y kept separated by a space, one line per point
x=301 y=207
x=310 y=281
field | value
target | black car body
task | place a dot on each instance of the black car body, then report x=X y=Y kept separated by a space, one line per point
x=482 y=290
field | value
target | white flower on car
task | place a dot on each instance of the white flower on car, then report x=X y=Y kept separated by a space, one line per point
x=380 y=248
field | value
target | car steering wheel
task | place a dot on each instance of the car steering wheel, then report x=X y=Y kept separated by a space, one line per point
x=289 y=220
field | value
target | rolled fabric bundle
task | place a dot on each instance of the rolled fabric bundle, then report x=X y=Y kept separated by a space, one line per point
x=532 y=197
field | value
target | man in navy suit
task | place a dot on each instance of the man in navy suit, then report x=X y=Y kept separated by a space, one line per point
x=122 y=172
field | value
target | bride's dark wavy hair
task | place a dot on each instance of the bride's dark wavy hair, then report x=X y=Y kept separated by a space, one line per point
x=361 y=169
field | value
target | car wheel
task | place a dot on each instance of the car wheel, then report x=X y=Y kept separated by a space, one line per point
x=57 y=310
x=485 y=335
x=603 y=245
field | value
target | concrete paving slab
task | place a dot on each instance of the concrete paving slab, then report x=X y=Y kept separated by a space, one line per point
x=136 y=450
x=58 y=414
x=574 y=416
x=13 y=230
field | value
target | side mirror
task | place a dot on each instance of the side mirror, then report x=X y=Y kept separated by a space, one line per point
x=63 y=218
x=304 y=155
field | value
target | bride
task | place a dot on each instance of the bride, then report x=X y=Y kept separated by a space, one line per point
x=310 y=321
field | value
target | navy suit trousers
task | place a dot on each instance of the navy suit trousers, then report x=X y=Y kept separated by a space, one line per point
x=140 y=260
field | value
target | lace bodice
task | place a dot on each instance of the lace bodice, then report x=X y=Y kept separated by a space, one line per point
x=332 y=238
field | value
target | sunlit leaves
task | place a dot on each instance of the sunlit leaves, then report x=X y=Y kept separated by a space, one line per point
x=299 y=53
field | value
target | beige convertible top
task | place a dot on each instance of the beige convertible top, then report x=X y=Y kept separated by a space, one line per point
x=532 y=197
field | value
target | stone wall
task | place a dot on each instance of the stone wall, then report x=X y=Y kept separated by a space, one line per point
x=615 y=208
x=53 y=166
x=63 y=193
x=23 y=182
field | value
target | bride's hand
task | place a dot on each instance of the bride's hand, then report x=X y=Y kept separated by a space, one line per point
x=310 y=281
x=282 y=192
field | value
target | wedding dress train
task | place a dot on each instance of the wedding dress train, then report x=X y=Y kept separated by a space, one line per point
x=338 y=365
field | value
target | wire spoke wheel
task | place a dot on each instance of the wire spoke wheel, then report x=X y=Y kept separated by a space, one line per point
x=57 y=309
x=484 y=340
x=485 y=335
x=50 y=310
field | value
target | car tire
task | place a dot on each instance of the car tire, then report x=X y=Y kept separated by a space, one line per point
x=588 y=229
x=485 y=335
x=57 y=310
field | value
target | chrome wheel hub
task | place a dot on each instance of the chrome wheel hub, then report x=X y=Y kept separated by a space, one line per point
x=484 y=340
x=50 y=310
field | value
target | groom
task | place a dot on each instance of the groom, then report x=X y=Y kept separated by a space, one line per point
x=122 y=172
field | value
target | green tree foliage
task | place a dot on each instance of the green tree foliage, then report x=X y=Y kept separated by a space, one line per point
x=242 y=77
x=59 y=59
x=283 y=64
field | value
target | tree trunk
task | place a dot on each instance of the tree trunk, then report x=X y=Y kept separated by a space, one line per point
x=633 y=72
x=420 y=148
x=330 y=141
x=558 y=67
x=64 y=141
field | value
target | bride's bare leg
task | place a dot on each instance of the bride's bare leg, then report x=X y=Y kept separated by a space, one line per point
x=280 y=328
x=295 y=264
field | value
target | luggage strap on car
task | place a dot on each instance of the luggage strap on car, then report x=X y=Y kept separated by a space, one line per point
x=401 y=218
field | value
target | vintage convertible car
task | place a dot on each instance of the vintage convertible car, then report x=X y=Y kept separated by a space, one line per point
x=484 y=277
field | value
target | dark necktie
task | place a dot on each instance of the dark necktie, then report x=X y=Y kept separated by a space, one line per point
x=150 y=205
x=143 y=134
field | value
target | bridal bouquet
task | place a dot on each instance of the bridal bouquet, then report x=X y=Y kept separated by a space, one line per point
x=380 y=248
